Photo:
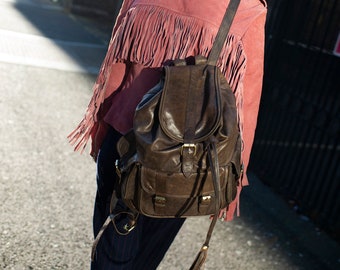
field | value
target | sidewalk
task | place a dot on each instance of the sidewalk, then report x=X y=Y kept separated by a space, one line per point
x=41 y=47
x=47 y=37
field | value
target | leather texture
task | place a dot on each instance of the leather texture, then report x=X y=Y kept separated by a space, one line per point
x=165 y=169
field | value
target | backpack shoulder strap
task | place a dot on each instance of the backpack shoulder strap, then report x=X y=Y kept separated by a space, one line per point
x=223 y=32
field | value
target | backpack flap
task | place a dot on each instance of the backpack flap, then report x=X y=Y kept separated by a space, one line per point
x=190 y=106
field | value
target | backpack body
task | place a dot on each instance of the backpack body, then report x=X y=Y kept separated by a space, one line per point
x=166 y=169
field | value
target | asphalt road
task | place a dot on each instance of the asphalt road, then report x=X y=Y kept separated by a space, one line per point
x=48 y=63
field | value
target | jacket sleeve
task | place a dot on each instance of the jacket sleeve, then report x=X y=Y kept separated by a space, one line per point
x=253 y=45
x=113 y=81
x=253 y=42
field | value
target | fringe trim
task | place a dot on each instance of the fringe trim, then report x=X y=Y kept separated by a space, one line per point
x=152 y=36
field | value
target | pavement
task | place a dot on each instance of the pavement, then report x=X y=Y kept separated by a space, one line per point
x=48 y=63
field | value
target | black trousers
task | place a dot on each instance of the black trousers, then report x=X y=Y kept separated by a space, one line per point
x=145 y=246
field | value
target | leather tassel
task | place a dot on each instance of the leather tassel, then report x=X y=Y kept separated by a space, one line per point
x=200 y=258
x=99 y=235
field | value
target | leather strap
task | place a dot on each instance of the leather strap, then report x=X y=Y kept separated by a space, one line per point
x=223 y=32
x=111 y=218
x=212 y=152
x=213 y=160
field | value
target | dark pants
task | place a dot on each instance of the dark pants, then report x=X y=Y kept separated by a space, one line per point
x=145 y=246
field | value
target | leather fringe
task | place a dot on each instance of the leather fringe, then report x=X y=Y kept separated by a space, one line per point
x=200 y=258
x=132 y=41
x=99 y=235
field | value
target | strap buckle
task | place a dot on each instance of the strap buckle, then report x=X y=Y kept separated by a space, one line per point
x=129 y=217
x=192 y=148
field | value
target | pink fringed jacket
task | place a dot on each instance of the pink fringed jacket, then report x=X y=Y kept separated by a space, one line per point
x=149 y=33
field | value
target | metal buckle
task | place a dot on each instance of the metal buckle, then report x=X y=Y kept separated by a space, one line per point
x=205 y=199
x=189 y=145
x=129 y=227
x=117 y=167
x=159 y=200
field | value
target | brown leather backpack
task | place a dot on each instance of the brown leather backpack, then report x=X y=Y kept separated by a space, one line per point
x=183 y=156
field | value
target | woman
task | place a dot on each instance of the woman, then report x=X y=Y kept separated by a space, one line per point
x=147 y=34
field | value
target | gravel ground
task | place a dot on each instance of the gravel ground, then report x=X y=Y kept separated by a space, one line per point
x=46 y=190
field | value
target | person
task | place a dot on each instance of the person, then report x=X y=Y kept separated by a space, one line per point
x=146 y=35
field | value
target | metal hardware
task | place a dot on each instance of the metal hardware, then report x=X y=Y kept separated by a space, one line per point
x=117 y=167
x=205 y=199
x=205 y=247
x=160 y=200
x=129 y=227
x=190 y=146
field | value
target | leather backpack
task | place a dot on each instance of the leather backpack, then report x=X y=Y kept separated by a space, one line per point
x=183 y=156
